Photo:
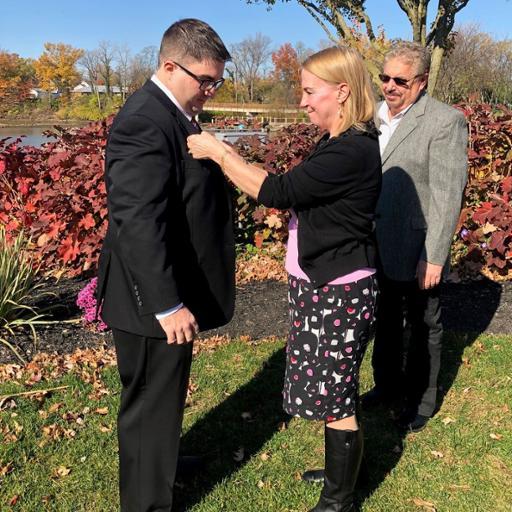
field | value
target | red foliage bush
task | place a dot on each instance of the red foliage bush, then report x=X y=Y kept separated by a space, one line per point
x=56 y=195
x=483 y=241
x=258 y=224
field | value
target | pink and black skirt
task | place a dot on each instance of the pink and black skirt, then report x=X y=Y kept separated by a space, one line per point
x=329 y=332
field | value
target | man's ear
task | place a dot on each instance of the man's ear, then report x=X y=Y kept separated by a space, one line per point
x=424 y=82
x=169 y=66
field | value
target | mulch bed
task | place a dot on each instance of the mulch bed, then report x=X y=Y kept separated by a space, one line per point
x=261 y=312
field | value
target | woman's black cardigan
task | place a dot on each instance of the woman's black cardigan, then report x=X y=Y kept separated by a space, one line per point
x=334 y=192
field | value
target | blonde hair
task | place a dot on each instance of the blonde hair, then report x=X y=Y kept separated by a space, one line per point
x=341 y=64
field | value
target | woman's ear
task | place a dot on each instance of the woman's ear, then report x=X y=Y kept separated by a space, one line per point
x=343 y=92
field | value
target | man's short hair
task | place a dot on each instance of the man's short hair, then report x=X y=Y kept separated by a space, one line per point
x=412 y=53
x=192 y=39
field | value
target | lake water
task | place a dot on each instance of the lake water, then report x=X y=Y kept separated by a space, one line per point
x=33 y=135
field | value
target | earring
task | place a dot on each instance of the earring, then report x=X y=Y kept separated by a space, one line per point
x=340 y=110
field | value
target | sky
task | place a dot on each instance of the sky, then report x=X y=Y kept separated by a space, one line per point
x=26 y=26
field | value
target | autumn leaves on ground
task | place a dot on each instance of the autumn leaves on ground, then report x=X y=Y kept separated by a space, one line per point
x=58 y=450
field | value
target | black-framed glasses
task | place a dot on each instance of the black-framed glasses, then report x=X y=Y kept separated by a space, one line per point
x=401 y=82
x=205 y=84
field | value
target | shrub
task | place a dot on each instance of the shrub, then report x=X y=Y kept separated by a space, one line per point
x=483 y=240
x=257 y=224
x=17 y=287
x=56 y=194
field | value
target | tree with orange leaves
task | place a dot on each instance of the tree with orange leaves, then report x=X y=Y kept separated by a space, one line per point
x=56 y=67
x=287 y=73
x=16 y=80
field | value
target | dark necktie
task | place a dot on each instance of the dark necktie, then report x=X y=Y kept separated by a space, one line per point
x=195 y=125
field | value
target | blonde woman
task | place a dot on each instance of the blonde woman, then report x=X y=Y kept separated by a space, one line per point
x=330 y=259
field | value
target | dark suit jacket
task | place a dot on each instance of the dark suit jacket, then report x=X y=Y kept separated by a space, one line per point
x=170 y=237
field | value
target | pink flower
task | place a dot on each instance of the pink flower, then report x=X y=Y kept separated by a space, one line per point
x=86 y=301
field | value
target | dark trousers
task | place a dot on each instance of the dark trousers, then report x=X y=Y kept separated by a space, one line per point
x=154 y=379
x=410 y=371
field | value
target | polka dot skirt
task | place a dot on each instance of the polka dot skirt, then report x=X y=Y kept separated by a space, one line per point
x=329 y=332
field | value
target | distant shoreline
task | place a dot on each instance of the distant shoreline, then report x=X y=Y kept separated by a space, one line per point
x=21 y=123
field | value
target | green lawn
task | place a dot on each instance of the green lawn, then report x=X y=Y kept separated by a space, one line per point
x=58 y=451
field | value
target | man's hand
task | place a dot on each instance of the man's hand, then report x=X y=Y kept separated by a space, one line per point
x=428 y=274
x=180 y=327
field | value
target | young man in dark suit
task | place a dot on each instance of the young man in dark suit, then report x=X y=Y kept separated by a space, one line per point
x=166 y=269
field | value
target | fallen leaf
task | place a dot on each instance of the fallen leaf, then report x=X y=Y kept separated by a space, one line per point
x=447 y=421
x=426 y=505
x=102 y=410
x=264 y=456
x=5 y=470
x=261 y=484
x=55 y=407
x=273 y=221
x=488 y=228
x=456 y=487
x=14 y=500
x=61 y=471
x=437 y=455
x=496 y=437
x=105 y=428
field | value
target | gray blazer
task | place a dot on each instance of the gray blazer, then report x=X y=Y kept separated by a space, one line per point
x=424 y=170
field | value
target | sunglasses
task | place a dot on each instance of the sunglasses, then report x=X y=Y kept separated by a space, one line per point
x=401 y=82
x=205 y=84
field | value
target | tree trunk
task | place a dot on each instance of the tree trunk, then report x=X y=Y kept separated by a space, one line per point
x=98 y=99
x=435 y=66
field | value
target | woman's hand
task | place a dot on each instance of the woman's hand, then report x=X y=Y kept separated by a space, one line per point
x=205 y=145
x=245 y=176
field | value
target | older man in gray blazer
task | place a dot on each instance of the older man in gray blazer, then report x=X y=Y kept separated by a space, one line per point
x=424 y=161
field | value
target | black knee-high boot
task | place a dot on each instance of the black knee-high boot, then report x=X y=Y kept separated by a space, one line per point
x=343 y=453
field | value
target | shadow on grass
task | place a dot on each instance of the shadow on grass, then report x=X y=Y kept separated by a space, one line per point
x=468 y=310
x=223 y=431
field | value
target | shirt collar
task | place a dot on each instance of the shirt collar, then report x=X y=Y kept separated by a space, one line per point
x=170 y=95
x=384 y=113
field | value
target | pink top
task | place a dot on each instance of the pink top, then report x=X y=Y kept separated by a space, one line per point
x=292 y=258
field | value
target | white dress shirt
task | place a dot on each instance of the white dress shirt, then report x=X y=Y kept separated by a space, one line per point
x=388 y=125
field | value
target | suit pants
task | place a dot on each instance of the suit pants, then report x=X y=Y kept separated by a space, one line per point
x=408 y=372
x=154 y=377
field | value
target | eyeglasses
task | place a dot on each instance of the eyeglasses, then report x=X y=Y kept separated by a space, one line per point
x=205 y=84
x=401 y=82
